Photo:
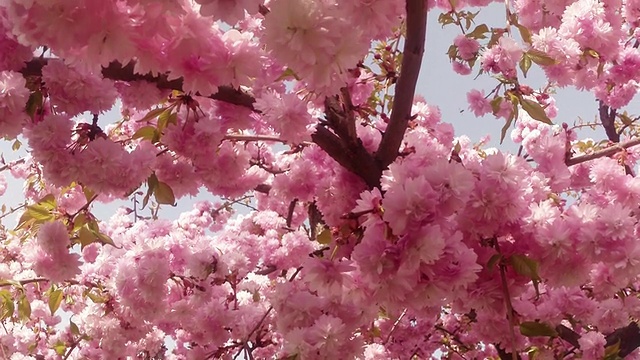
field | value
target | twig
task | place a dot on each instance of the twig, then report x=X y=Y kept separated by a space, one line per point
x=21 y=282
x=406 y=85
x=604 y=152
x=85 y=206
x=116 y=71
x=13 y=210
x=292 y=207
x=608 y=117
x=241 y=137
x=395 y=325
x=269 y=310
x=507 y=300
x=12 y=163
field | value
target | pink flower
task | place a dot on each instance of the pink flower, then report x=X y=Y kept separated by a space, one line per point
x=328 y=277
x=467 y=47
x=13 y=98
x=502 y=57
x=478 y=103
x=592 y=345
x=74 y=91
x=408 y=203
x=50 y=257
x=288 y=115
x=461 y=68
x=229 y=11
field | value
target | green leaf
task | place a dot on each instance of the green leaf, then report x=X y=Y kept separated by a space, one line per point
x=495 y=104
x=55 y=299
x=164 y=194
x=324 y=237
x=525 y=266
x=445 y=19
x=592 y=53
x=535 y=111
x=85 y=236
x=105 y=239
x=95 y=231
x=479 y=32
x=60 y=348
x=79 y=221
x=40 y=213
x=98 y=299
x=288 y=73
x=493 y=261
x=452 y=52
x=48 y=202
x=24 y=308
x=525 y=64
x=507 y=124
x=541 y=58
x=626 y=120
x=74 y=328
x=611 y=352
x=16 y=145
x=525 y=34
x=145 y=132
x=535 y=328
x=34 y=103
x=7 y=307
x=25 y=221
x=152 y=114
x=163 y=119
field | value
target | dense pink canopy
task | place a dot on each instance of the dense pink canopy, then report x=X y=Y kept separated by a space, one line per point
x=369 y=229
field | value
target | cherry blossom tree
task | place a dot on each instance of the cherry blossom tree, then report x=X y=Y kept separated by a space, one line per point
x=372 y=230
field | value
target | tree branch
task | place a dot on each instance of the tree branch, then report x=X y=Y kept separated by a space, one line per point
x=604 y=152
x=607 y=118
x=406 y=85
x=628 y=336
x=116 y=71
x=353 y=157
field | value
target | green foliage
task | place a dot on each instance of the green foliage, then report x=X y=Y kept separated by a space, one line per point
x=536 y=328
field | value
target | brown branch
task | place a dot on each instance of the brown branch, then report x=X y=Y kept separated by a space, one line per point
x=604 y=152
x=406 y=85
x=607 y=118
x=117 y=71
x=628 y=336
x=353 y=157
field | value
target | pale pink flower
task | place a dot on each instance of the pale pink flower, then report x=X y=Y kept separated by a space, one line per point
x=13 y=98
x=478 y=103
x=592 y=345
x=467 y=47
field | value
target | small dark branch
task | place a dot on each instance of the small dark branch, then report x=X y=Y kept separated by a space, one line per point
x=337 y=119
x=604 y=152
x=629 y=337
x=292 y=207
x=349 y=114
x=263 y=188
x=315 y=219
x=406 y=85
x=395 y=325
x=117 y=71
x=504 y=355
x=568 y=335
x=608 y=117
